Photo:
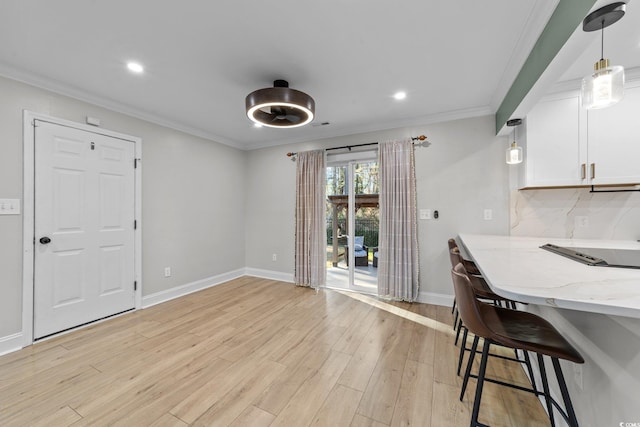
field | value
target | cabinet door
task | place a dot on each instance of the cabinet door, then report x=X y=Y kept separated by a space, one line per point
x=555 y=150
x=614 y=140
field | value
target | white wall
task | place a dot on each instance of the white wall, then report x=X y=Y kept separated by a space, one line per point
x=192 y=197
x=460 y=174
x=609 y=344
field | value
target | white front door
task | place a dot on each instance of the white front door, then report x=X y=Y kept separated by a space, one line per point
x=84 y=227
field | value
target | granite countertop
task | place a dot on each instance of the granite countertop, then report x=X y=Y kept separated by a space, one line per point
x=516 y=268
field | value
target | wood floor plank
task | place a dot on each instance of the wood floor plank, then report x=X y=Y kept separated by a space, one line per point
x=226 y=410
x=257 y=352
x=200 y=400
x=413 y=406
x=362 y=421
x=339 y=407
x=135 y=408
x=356 y=332
x=168 y=420
x=39 y=403
x=62 y=417
x=277 y=395
x=447 y=409
x=253 y=417
x=380 y=396
x=305 y=403
x=364 y=360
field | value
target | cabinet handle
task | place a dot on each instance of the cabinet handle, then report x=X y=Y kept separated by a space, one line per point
x=583 y=171
x=593 y=170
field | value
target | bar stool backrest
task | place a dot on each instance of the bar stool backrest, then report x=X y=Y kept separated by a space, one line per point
x=468 y=305
x=454 y=256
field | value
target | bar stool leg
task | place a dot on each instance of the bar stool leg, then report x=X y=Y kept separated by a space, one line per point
x=573 y=421
x=454 y=306
x=458 y=331
x=545 y=388
x=455 y=320
x=467 y=372
x=462 y=348
x=527 y=362
x=480 y=384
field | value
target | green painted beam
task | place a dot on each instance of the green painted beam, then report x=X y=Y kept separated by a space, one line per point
x=563 y=22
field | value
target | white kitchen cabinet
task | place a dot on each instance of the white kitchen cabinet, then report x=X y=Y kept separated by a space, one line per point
x=567 y=146
x=555 y=144
x=614 y=140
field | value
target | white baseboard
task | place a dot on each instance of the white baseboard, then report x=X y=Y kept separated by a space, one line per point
x=436 y=299
x=268 y=274
x=11 y=343
x=198 y=285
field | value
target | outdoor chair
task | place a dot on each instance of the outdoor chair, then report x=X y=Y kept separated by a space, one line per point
x=361 y=252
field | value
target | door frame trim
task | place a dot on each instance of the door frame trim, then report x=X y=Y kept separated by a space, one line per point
x=28 y=211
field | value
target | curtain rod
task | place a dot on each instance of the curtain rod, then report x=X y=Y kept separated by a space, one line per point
x=349 y=147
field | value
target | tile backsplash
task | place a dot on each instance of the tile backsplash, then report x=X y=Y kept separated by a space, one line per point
x=575 y=213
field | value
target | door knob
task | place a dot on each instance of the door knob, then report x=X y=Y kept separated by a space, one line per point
x=45 y=240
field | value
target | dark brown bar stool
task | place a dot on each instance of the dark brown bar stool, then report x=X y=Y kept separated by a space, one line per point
x=481 y=290
x=473 y=270
x=518 y=330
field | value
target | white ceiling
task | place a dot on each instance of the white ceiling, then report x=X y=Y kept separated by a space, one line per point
x=202 y=57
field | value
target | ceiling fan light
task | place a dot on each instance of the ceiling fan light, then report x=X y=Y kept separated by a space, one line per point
x=604 y=87
x=280 y=106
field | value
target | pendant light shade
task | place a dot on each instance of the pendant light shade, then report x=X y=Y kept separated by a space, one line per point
x=279 y=106
x=605 y=86
x=514 y=153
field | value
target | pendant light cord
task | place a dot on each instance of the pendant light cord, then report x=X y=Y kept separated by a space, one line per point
x=602 y=41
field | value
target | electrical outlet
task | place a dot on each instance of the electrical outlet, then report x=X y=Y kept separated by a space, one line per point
x=167 y=272
x=581 y=221
x=274 y=257
x=488 y=214
x=425 y=213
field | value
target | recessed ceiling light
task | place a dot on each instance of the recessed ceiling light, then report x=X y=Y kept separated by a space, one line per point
x=400 y=95
x=135 y=67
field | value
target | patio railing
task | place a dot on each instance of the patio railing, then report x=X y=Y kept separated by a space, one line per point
x=364 y=227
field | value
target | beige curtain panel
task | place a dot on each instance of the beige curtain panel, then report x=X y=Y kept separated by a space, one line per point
x=311 y=250
x=398 y=243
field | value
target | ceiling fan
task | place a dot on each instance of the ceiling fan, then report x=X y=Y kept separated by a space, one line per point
x=280 y=106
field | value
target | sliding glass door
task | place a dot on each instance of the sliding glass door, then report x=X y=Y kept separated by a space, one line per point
x=352 y=221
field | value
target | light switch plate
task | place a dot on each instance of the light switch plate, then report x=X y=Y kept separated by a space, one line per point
x=9 y=206
x=425 y=213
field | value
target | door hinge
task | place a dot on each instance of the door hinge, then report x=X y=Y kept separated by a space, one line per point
x=135 y=285
x=135 y=224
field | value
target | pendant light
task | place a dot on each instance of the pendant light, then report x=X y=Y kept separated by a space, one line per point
x=514 y=153
x=605 y=86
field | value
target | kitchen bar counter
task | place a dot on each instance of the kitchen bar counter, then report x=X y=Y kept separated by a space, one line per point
x=516 y=268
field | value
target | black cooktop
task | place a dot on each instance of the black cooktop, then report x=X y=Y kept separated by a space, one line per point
x=599 y=257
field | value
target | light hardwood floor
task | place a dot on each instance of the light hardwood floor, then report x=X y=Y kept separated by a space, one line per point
x=256 y=352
